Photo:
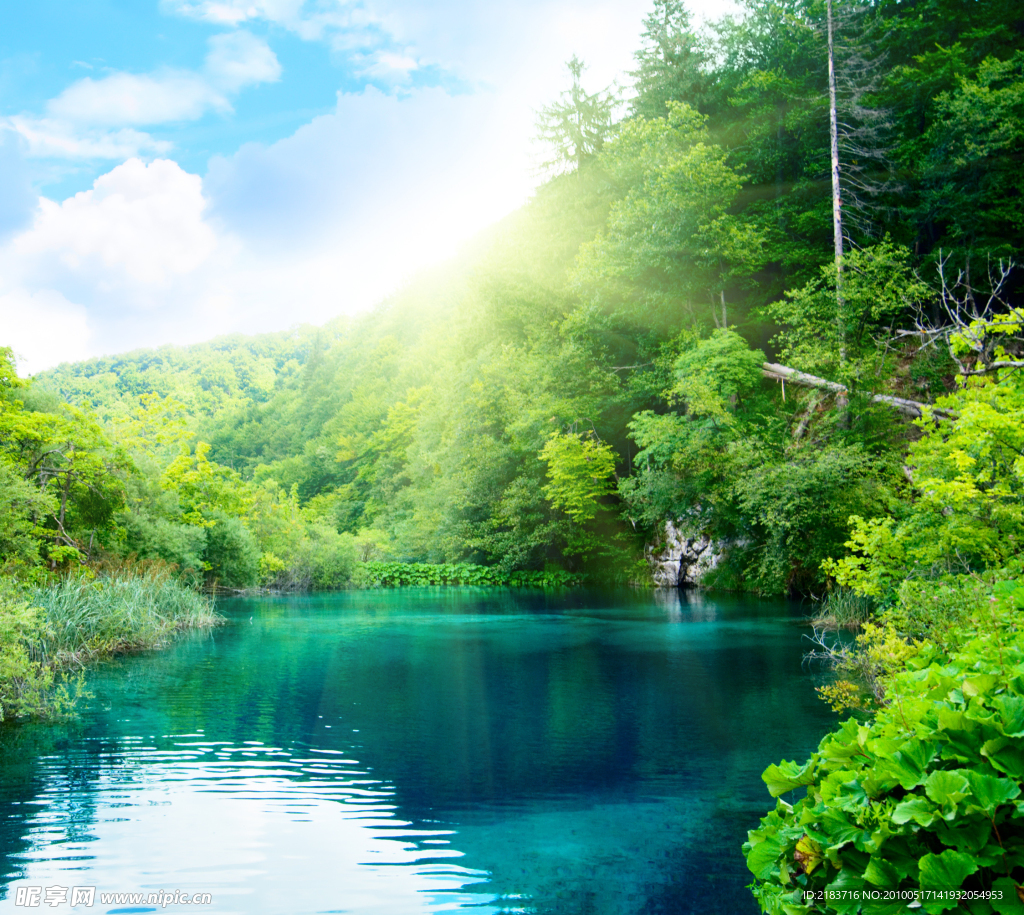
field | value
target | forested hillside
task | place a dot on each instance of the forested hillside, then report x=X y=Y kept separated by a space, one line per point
x=593 y=365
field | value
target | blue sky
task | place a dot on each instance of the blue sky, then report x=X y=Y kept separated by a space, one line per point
x=175 y=169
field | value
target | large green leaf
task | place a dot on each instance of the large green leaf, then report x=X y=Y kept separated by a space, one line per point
x=786 y=776
x=763 y=856
x=968 y=834
x=840 y=828
x=848 y=879
x=988 y=792
x=946 y=788
x=976 y=686
x=1006 y=756
x=907 y=760
x=951 y=719
x=1010 y=903
x=946 y=871
x=1011 y=713
x=918 y=809
x=881 y=872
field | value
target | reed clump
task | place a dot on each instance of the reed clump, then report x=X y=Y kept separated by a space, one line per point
x=115 y=612
x=843 y=608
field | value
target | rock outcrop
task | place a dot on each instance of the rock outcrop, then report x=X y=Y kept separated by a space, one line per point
x=683 y=557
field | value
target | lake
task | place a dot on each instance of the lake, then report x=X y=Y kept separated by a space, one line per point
x=420 y=750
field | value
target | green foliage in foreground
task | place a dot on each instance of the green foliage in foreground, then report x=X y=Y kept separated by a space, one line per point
x=418 y=574
x=51 y=630
x=927 y=795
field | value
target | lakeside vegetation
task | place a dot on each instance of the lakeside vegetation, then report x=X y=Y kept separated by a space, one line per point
x=48 y=632
x=595 y=365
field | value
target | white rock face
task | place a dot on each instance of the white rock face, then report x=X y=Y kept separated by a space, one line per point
x=683 y=557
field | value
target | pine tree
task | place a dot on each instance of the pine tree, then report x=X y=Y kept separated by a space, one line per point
x=671 y=63
x=577 y=125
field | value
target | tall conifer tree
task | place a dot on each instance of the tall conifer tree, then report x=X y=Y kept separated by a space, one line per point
x=671 y=62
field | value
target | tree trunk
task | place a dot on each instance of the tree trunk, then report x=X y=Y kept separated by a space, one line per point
x=837 y=199
x=910 y=407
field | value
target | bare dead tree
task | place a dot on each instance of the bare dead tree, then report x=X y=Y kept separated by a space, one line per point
x=864 y=142
x=837 y=191
x=972 y=315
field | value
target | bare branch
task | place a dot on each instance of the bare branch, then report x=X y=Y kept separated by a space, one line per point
x=995 y=366
x=967 y=312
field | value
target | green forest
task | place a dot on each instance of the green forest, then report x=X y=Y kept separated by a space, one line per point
x=678 y=326
x=592 y=365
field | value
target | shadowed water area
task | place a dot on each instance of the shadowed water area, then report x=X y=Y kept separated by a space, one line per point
x=422 y=750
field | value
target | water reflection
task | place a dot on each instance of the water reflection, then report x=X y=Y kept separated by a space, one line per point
x=182 y=812
x=423 y=751
x=689 y=606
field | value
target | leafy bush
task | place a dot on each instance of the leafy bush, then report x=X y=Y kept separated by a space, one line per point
x=927 y=795
x=420 y=574
x=968 y=513
x=322 y=560
x=232 y=554
x=182 y=545
x=21 y=534
x=579 y=469
x=730 y=461
x=939 y=610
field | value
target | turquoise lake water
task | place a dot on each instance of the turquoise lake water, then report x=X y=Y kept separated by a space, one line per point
x=420 y=750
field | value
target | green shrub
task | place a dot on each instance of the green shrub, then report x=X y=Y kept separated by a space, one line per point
x=937 y=610
x=926 y=795
x=322 y=560
x=232 y=555
x=182 y=545
x=420 y=574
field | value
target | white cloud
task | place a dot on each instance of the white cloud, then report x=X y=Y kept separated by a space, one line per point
x=325 y=221
x=414 y=174
x=137 y=257
x=128 y=98
x=350 y=27
x=233 y=12
x=96 y=118
x=239 y=59
x=43 y=328
x=235 y=60
x=140 y=225
x=389 y=67
x=47 y=137
x=310 y=24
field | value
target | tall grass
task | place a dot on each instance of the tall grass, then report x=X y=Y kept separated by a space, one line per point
x=843 y=609
x=89 y=618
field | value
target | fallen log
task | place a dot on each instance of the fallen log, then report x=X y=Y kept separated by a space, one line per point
x=913 y=408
